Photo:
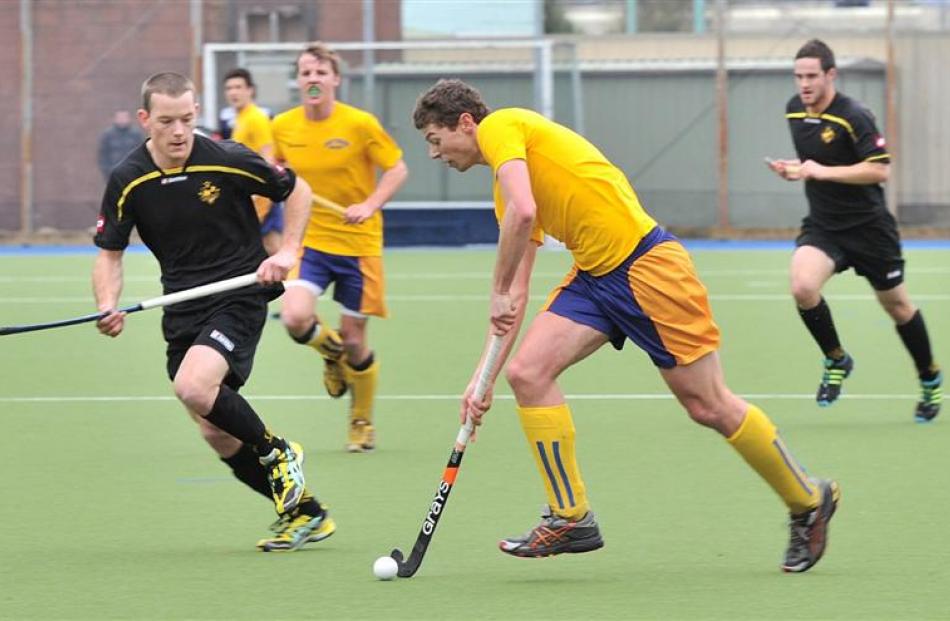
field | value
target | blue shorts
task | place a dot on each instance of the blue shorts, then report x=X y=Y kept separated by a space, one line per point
x=358 y=281
x=654 y=298
x=274 y=220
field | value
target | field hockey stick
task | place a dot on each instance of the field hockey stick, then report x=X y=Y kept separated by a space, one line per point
x=408 y=567
x=328 y=204
x=163 y=300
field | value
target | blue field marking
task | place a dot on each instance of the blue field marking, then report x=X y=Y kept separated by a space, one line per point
x=52 y=251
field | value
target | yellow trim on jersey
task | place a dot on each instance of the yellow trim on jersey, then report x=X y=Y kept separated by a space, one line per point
x=131 y=186
x=224 y=169
x=827 y=117
x=177 y=171
x=878 y=157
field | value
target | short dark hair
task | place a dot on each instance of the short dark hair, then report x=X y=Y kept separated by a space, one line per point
x=445 y=102
x=167 y=83
x=816 y=48
x=240 y=72
x=323 y=53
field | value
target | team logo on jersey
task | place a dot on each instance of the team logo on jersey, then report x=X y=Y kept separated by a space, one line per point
x=827 y=135
x=209 y=192
x=880 y=142
x=336 y=143
x=100 y=223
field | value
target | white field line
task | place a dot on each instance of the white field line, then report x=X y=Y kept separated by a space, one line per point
x=574 y=397
x=473 y=297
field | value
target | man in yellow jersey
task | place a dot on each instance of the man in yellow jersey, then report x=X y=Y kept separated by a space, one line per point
x=339 y=150
x=252 y=129
x=631 y=279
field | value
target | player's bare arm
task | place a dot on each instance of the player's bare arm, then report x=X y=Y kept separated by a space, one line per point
x=520 y=290
x=514 y=239
x=107 y=286
x=389 y=183
x=275 y=267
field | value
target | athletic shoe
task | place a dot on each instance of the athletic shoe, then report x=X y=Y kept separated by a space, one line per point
x=285 y=475
x=555 y=535
x=297 y=529
x=931 y=395
x=809 y=530
x=835 y=373
x=333 y=378
x=361 y=437
x=329 y=345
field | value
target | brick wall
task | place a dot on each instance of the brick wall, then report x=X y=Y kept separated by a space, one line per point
x=89 y=59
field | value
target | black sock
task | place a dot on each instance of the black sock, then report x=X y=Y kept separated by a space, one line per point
x=307 y=336
x=822 y=327
x=231 y=413
x=367 y=363
x=914 y=335
x=248 y=469
x=309 y=505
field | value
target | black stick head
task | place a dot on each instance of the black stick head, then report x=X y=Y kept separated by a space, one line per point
x=406 y=569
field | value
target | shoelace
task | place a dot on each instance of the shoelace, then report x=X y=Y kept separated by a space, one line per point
x=833 y=377
x=799 y=529
x=931 y=395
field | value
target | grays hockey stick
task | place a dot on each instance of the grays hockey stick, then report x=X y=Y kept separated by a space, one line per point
x=407 y=568
x=163 y=300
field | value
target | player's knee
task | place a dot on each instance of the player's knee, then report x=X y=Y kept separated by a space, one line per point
x=522 y=375
x=295 y=321
x=901 y=311
x=806 y=294
x=196 y=396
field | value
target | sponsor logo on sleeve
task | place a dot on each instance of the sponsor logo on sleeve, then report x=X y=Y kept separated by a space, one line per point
x=100 y=223
x=880 y=142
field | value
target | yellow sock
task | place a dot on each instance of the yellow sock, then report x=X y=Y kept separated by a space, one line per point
x=758 y=442
x=550 y=435
x=363 y=389
x=326 y=341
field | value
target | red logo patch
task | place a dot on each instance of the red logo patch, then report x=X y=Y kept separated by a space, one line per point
x=880 y=142
x=100 y=224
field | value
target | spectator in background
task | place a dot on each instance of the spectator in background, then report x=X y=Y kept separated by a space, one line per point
x=117 y=141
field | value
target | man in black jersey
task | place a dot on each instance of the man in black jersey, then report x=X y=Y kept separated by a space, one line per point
x=190 y=199
x=843 y=162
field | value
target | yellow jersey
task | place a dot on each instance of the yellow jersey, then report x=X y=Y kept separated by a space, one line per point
x=339 y=157
x=582 y=199
x=252 y=128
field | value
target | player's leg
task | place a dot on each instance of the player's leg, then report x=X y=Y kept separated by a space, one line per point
x=811 y=268
x=361 y=370
x=360 y=291
x=306 y=282
x=199 y=385
x=913 y=333
x=878 y=257
x=272 y=227
x=700 y=388
x=552 y=343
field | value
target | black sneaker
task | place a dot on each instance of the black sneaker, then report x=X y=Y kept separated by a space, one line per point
x=835 y=373
x=555 y=535
x=931 y=395
x=809 y=530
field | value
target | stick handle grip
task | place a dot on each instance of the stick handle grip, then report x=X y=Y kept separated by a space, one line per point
x=199 y=292
x=481 y=385
x=328 y=204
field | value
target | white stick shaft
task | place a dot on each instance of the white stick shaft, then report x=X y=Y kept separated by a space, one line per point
x=199 y=292
x=481 y=385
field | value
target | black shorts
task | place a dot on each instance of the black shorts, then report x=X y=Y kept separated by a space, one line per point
x=872 y=249
x=231 y=326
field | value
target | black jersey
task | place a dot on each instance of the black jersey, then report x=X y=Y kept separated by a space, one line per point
x=198 y=220
x=842 y=135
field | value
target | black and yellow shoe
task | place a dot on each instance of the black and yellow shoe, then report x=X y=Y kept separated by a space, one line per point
x=361 y=437
x=297 y=528
x=285 y=475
